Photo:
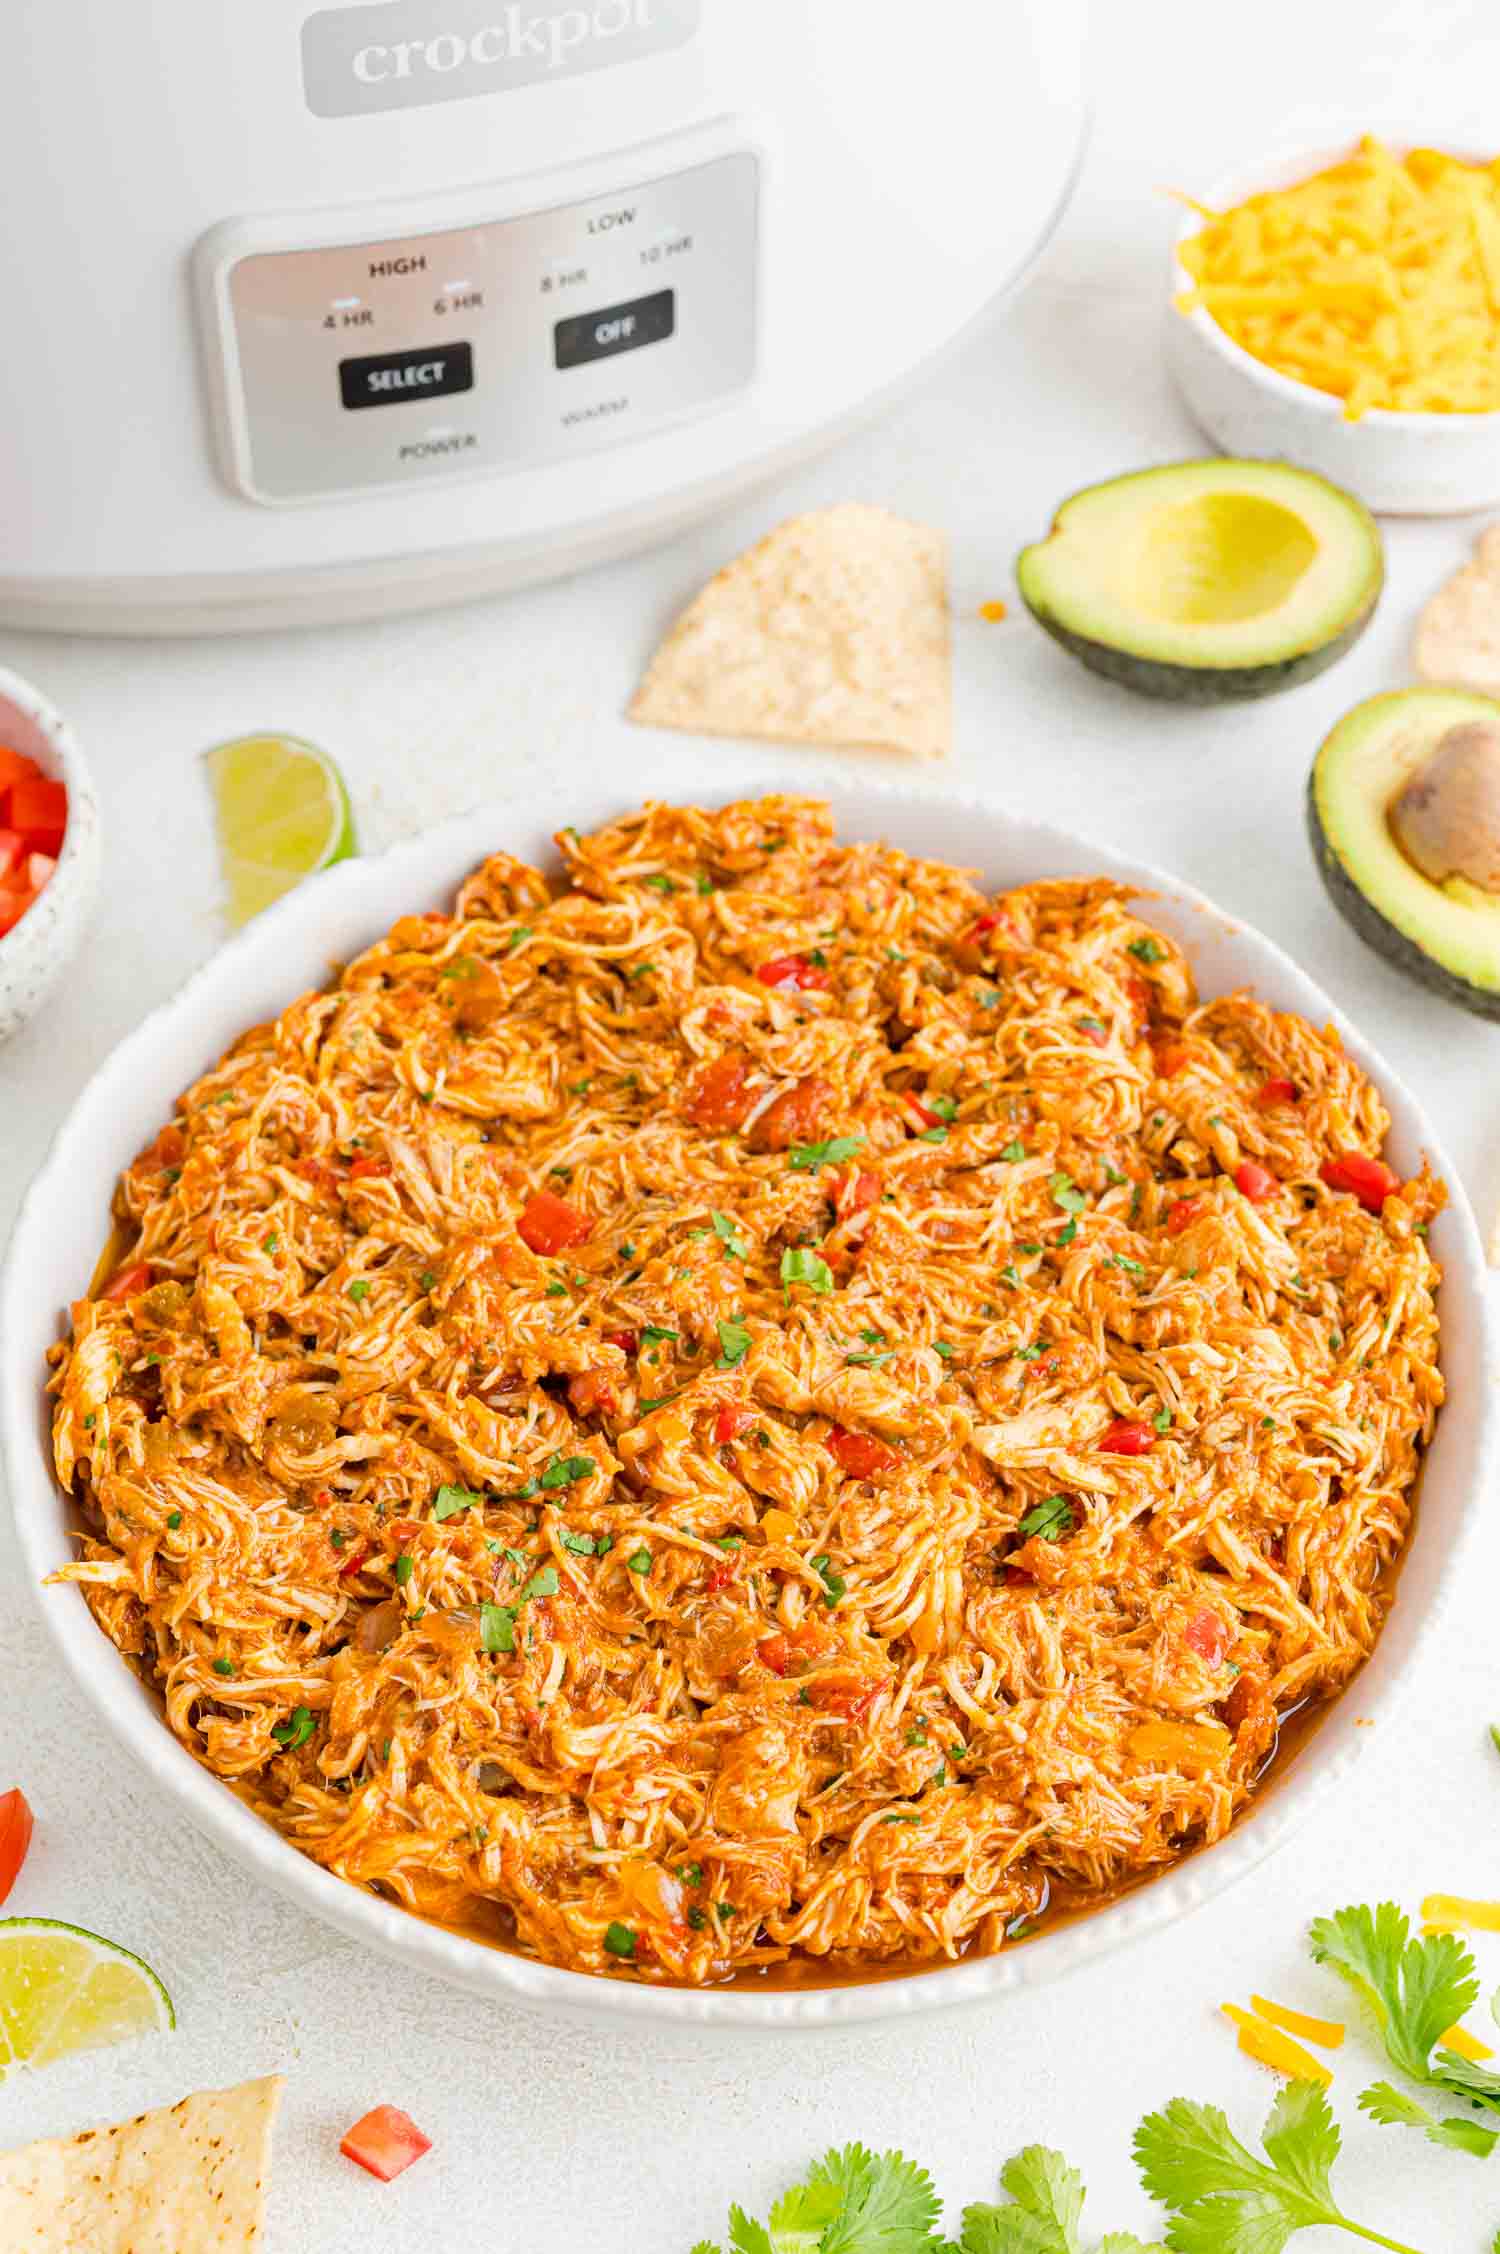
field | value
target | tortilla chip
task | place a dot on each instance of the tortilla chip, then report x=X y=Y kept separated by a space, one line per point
x=1458 y=633
x=833 y=630
x=188 y=2179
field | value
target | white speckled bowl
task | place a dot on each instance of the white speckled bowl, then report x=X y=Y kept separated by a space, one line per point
x=1402 y=464
x=36 y=951
x=64 y=1219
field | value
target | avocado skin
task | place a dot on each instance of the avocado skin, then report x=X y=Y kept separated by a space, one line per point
x=1203 y=684
x=1378 y=932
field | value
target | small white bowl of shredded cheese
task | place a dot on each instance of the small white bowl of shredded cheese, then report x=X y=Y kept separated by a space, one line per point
x=1431 y=461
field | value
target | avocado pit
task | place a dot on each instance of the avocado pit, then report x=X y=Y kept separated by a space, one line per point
x=1446 y=817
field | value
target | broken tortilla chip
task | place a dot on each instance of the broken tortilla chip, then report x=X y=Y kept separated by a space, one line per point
x=832 y=630
x=187 y=2179
x=1458 y=633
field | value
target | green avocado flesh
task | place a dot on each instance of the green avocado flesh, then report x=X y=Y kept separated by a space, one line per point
x=1206 y=581
x=1447 y=935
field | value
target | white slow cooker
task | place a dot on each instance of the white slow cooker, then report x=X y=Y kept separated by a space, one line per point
x=325 y=310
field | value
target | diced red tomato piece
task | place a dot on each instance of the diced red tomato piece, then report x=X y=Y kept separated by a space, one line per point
x=1368 y=1179
x=978 y=928
x=15 y=899
x=169 y=1148
x=1254 y=1181
x=15 y=1836
x=1248 y=1701
x=794 y=1116
x=384 y=2140
x=774 y=1652
x=364 y=1169
x=731 y=1421
x=1171 y=1056
x=928 y=1118
x=1183 y=1214
x=15 y=767
x=1127 y=1438
x=721 y=1575
x=626 y=1340
x=13 y=851
x=1017 y=1577
x=850 y=1701
x=592 y=1393
x=38 y=808
x=861 y=1454
x=785 y=971
x=549 y=1224
x=856 y=1191
x=718 y=1096
x=126 y=1282
x=1273 y=1092
x=353 y=1563
x=1207 y=1635
x=1137 y=994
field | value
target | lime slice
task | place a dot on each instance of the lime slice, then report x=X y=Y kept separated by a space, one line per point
x=63 y=1989
x=282 y=812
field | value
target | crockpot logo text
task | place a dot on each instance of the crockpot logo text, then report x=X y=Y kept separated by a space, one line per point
x=451 y=50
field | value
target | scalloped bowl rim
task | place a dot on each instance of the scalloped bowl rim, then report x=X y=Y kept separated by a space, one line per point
x=115 y=1115
x=1284 y=169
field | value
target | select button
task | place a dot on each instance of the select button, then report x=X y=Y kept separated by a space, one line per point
x=614 y=328
x=382 y=378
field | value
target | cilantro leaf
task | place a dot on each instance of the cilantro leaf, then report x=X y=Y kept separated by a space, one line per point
x=1051 y=1519
x=563 y=1470
x=886 y=2205
x=1416 y=1989
x=297 y=1731
x=734 y=1341
x=1223 y=2199
x=707 y=2246
x=735 y=1247
x=1392 y=2107
x=799 y=1266
x=806 y=1158
x=1066 y=1194
x=746 y=2236
x=449 y=1501
x=1047 y=2198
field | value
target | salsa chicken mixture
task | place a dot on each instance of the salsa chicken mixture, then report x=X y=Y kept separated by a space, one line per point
x=744 y=1404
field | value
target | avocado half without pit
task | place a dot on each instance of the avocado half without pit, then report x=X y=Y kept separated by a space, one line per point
x=1403 y=807
x=1206 y=581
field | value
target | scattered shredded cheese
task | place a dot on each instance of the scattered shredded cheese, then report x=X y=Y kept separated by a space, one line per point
x=1377 y=280
x=992 y=613
x=1328 y=2032
x=1467 y=2046
x=1452 y=1912
x=1270 y=2047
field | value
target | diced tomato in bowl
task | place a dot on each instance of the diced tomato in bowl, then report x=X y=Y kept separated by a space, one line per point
x=49 y=847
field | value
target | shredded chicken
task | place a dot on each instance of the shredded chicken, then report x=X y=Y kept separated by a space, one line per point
x=746 y=1406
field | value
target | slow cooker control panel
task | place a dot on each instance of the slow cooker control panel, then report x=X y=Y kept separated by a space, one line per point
x=343 y=366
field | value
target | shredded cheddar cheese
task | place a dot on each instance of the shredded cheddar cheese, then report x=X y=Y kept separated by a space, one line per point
x=1467 y=2046
x=1269 y=2046
x=1327 y=2032
x=1449 y=1913
x=1377 y=280
x=992 y=612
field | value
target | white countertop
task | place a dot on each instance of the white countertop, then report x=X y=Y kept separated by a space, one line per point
x=559 y=2137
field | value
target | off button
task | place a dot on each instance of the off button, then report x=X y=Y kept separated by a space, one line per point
x=382 y=378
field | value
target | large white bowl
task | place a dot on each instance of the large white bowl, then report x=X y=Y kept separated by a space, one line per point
x=1398 y=462
x=63 y=1222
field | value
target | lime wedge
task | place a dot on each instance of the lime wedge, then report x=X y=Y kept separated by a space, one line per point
x=63 y=1989
x=282 y=812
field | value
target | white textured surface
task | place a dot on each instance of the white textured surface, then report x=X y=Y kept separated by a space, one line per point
x=554 y=2137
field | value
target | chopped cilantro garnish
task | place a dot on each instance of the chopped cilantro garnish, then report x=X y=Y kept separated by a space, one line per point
x=703 y=885
x=1028 y=1353
x=691 y=1874
x=869 y=1361
x=734 y=1340
x=223 y=1666
x=661 y=884
x=1013 y=1151
x=581 y=1545
x=933 y=1135
x=644 y=1408
x=1147 y=951
x=1162 y=1421
x=174 y=1520
x=1092 y=1025
x=1066 y=1195
x=639 y=1561
x=1027 y=1250
x=917 y=1734
x=359 y=1290
x=563 y=1470
x=1119 y=1260
x=1067 y=1234
x=543 y=1584
x=297 y=1731
x=834 y=1585
x=730 y=1541
x=627 y=1251
x=1050 y=1519
x=269 y=1242
x=519 y=937
x=1114 y=1177
x=941 y=1346
x=427 y=1281
x=872 y=1337
x=806 y=1158
x=449 y=1501
x=656 y=1332
x=497 y=1627
x=557 y=1289
x=799 y=1266
x=402 y=1569
x=913 y=1818
x=735 y=1247
x=944 y=1106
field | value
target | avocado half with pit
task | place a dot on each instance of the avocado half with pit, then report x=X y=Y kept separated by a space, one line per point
x=1207 y=581
x=1403 y=808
